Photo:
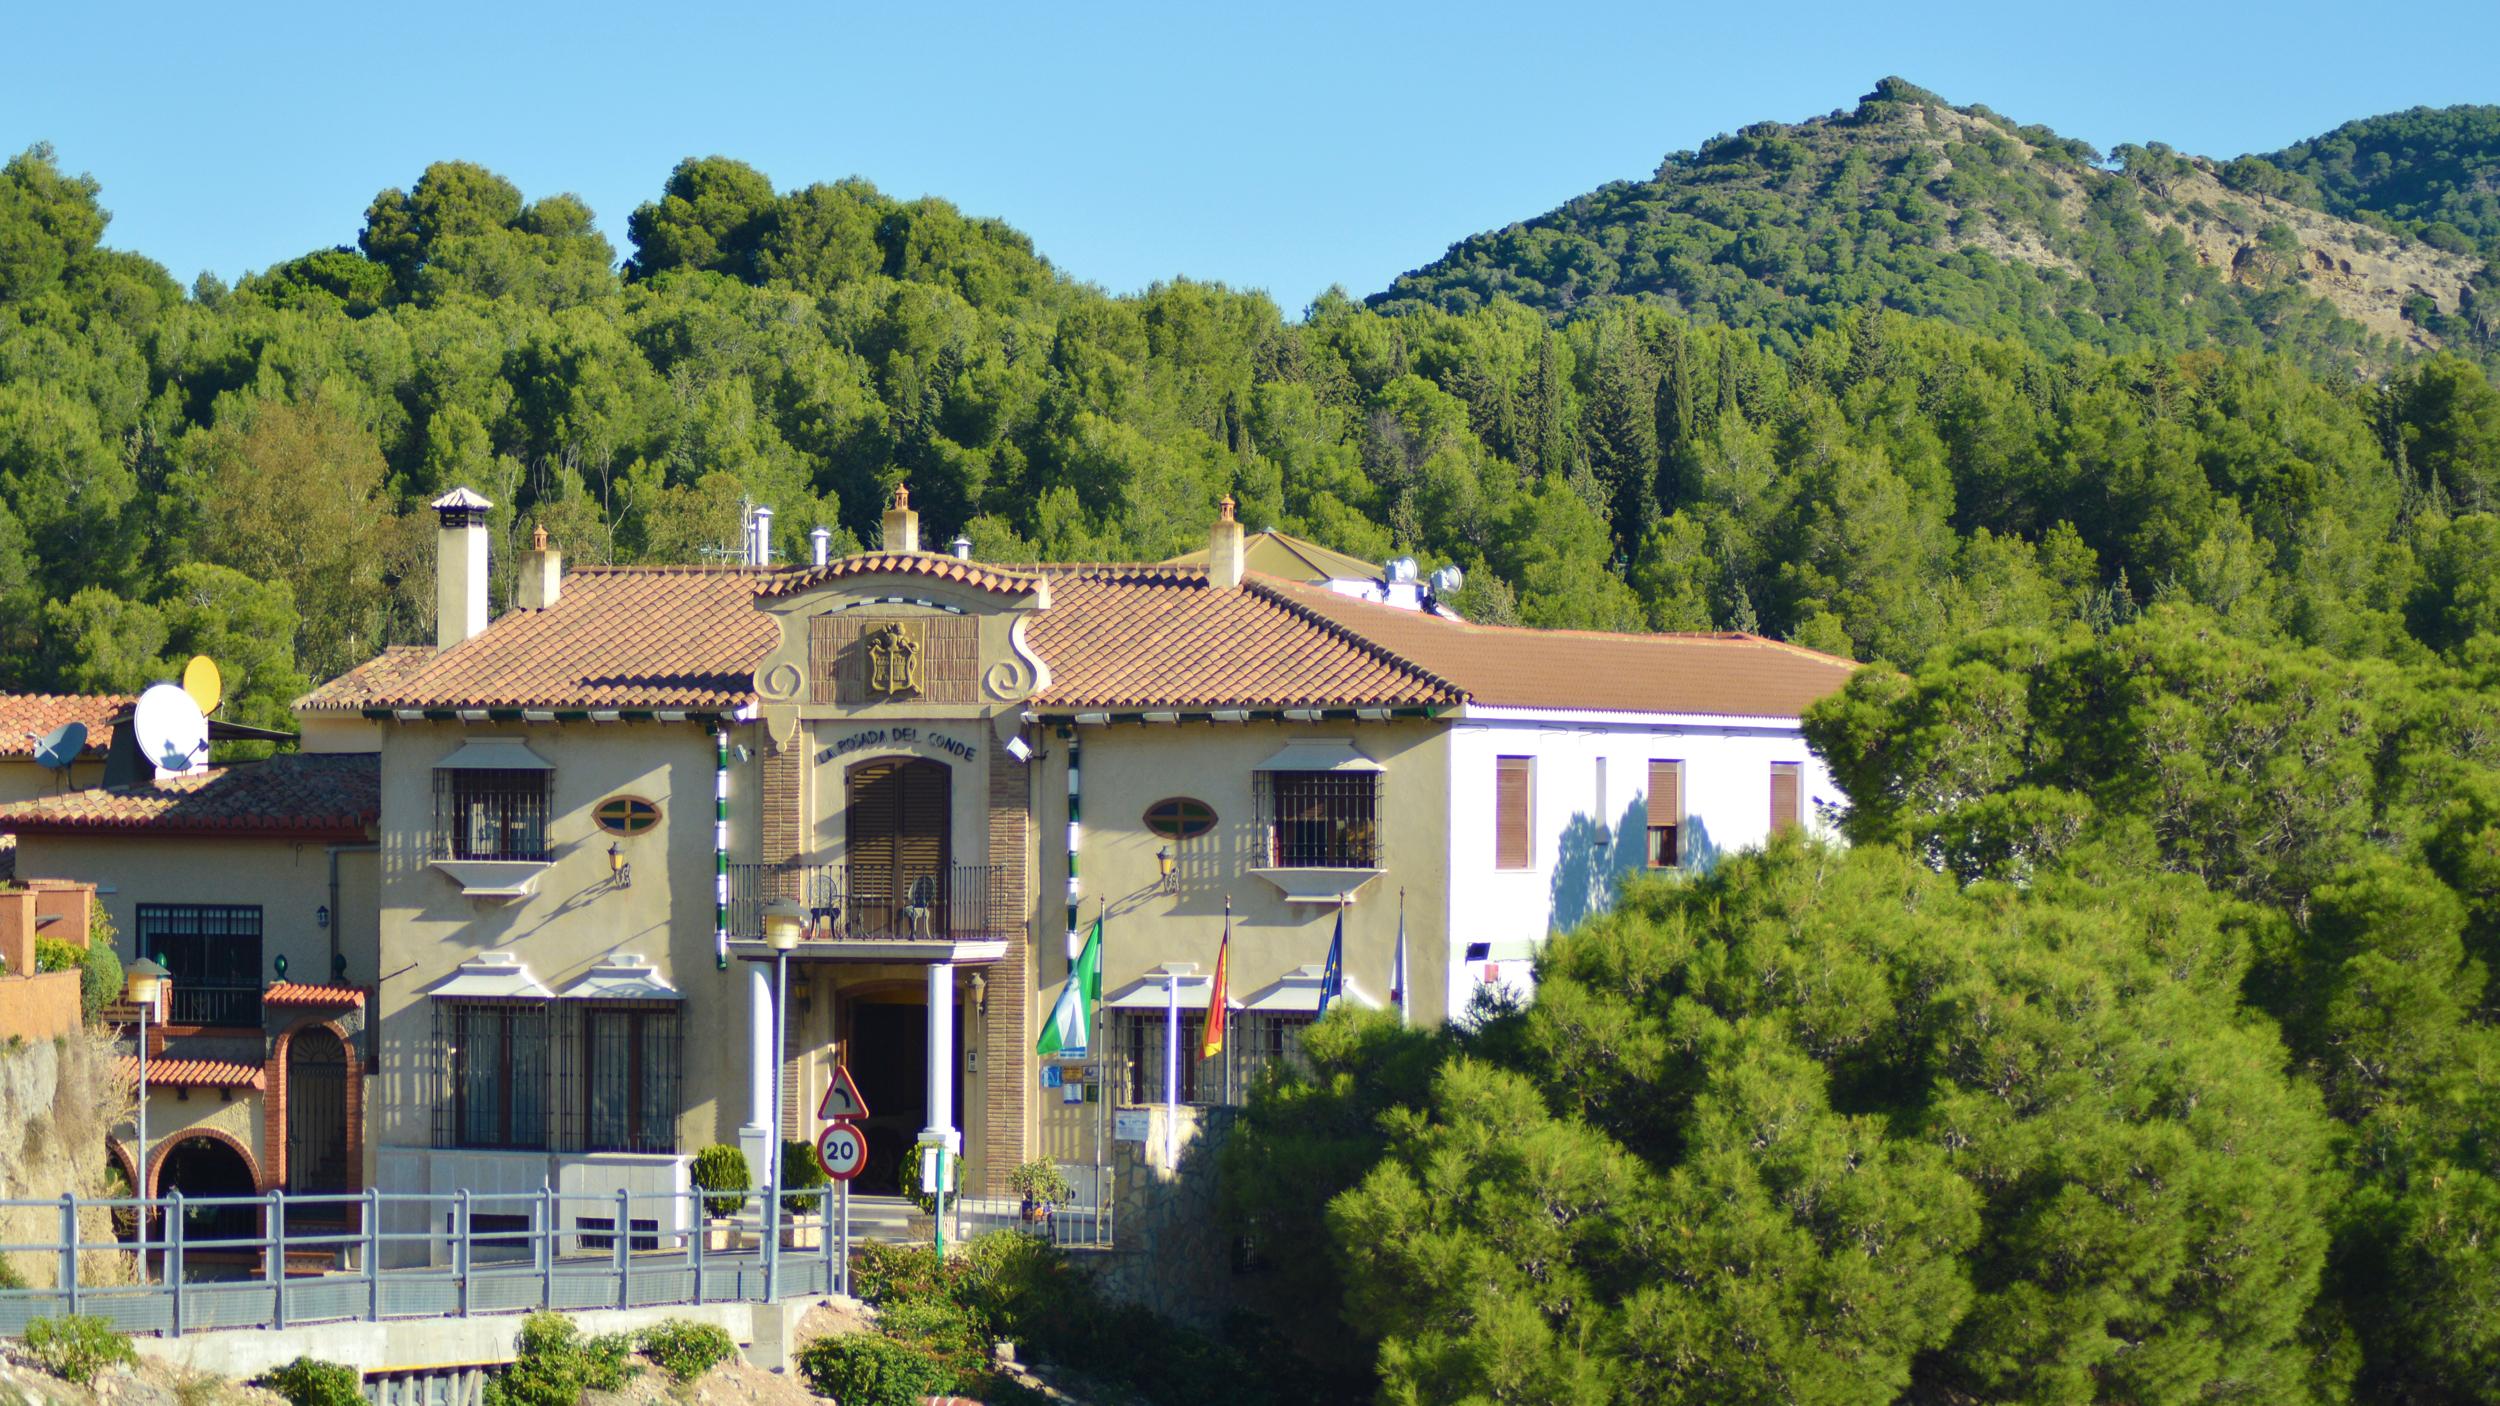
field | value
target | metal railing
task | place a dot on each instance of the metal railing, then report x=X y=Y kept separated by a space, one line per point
x=214 y=1005
x=271 y=1261
x=877 y=902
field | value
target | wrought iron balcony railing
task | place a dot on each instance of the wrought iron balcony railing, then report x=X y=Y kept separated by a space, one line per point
x=860 y=902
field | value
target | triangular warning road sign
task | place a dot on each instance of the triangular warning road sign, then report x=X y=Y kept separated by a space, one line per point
x=842 y=1101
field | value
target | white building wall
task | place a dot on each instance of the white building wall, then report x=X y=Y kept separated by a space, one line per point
x=1586 y=843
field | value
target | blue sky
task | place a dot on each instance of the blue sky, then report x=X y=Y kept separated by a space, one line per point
x=1268 y=145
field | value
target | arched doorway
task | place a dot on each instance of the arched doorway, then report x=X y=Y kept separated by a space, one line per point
x=898 y=815
x=206 y=1167
x=316 y=1113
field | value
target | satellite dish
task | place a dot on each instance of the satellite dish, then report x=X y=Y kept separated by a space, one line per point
x=172 y=731
x=61 y=746
x=201 y=680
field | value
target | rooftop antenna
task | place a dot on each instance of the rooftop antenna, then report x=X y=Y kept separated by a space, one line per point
x=203 y=683
x=171 y=730
x=58 y=749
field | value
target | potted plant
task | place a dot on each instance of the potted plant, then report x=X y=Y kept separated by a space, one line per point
x=1043 y=1187
x=802 y=1204
x=721 y=1172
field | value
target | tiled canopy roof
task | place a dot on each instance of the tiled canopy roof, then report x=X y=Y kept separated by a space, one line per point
x=26 y=717
x=1160 y=637
x=305 y=993
x=998 y=579
x=1733 y=675
x=1132 y=638
x=316 y=795
x=198 y=1073
x=617 y=637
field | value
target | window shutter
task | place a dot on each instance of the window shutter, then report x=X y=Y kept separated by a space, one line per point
x=1511 y=840
x=1785 y=784
x=1666 y=793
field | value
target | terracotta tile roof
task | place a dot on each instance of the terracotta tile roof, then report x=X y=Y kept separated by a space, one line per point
x=1002 y=580
x=198 y=1073
x=1733 y=675
x=26 y=717
x=307 y=795
x=1159 y=637
x=1273 y=553
x=617 y=637
x=305 y=993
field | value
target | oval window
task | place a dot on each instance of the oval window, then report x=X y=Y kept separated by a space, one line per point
x=1180 y=818
x=625 y=815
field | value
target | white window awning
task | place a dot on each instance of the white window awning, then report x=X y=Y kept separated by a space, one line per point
x=1297 y=992
x=621 y=976
x=494 y=754
x=1153 y=991
x=1319 y=754
x=489 y=975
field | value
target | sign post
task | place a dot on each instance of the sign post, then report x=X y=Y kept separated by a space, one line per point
x=842 y=1150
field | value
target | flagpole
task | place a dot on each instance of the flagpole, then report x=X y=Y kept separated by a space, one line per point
x=1171 y=1067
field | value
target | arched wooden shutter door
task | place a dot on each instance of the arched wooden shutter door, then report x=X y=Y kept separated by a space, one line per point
x=898 y=821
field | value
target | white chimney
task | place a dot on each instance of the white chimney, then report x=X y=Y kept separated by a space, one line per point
x=460 y=568
x=1226 y=552
x=902 y=525
x=963 y=547
x=542 y=573
x=762 y=554
x=822 y=540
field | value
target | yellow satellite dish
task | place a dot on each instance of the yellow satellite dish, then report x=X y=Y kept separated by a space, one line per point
x=201 y=680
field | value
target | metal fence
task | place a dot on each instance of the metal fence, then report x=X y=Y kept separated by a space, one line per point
x=185 y=1264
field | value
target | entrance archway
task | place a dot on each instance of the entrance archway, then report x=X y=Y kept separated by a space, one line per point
x=316 y=1112
x=199 y=1166
x=898 y=816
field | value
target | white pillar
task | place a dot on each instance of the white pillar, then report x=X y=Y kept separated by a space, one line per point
x=1171 y=1070
x=942 y=1049
x=755 y=1138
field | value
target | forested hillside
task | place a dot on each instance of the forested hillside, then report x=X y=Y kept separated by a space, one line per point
x=1908 y=203
x=240 y=470
x=2430 y=172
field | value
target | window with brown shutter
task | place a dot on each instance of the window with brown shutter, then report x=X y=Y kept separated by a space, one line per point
x=1787 y=781
x=1512 y=844
x=1666 y=814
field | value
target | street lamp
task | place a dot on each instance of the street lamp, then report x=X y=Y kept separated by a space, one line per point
x=148 y=986
x=783 y=922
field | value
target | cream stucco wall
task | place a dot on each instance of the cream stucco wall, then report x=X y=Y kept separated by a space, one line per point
x=22 y=780
x=1129 y=766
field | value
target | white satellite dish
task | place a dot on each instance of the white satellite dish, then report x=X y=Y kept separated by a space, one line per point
x=60 y=747
x=172 y=731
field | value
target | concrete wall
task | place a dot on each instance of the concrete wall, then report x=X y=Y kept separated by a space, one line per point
x=1128 y=767
x=1587 y=844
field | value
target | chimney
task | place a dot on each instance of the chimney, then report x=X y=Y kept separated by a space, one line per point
x=902 y=525
x=1225 y=551
x=542 y=574
x=962 y=546
x=761 y=553
x=822 y=540
x=460 y=568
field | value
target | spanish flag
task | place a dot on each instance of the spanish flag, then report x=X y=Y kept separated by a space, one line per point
x=1213 y=1043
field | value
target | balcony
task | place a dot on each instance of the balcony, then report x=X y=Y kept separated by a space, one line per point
x=869 y=913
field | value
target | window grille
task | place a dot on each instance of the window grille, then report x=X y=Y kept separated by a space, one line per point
x=494 y=1077
x=1142 y=1035
x=1320 y=819
x=632 y=1058
x=490 y=814
x=1266 y=1041
x=213 y=951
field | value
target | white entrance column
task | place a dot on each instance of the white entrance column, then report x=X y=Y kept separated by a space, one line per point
x=942 y=1052
x=755 y=1139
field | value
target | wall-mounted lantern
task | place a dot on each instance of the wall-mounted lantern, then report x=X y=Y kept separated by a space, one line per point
x=618 y=869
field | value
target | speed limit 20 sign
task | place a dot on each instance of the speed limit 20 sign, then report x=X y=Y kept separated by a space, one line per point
x=842 y=1149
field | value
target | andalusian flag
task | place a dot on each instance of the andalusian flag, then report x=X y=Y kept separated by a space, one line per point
x=1071 y=1021
x=1332 y=976
x=1212 y=1043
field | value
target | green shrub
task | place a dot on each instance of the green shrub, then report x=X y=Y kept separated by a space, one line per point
x=100 y=976
x=309 y=1381
x=76 y=1348
x=871 y=1369
x=907 y=1181
x=801 y=1172
x=1041 y=1182
x=684 y=1348
x=553 y=1364
x=723 y=1169
x=886 y=1274
x=949 y=1331
x=54 y=955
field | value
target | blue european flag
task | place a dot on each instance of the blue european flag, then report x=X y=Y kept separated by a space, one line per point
x=1332 y=977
